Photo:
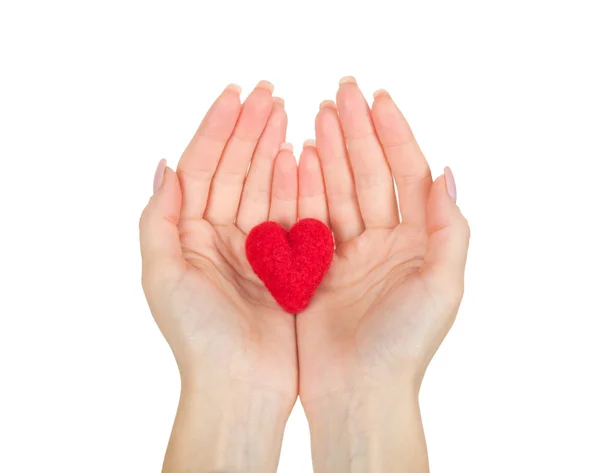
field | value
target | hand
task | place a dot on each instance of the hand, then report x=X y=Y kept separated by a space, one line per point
x=392 y=291
x=235 y=348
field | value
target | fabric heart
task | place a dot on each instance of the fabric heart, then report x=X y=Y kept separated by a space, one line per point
x=291 y=265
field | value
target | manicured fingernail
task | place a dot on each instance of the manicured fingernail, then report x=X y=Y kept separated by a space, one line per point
x=347 y=80
x=327 y=104
x=234 y=88
x=287 y=146
x=450 y=183
x=278 y=101
x=380 y=93
x=159 y=175
x=309 y=143
x=265 y=84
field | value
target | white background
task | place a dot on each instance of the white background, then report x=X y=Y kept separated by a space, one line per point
x=93 y=94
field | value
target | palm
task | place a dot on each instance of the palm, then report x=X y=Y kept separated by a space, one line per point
x=218 y=254
x=374 y=283
x=228 y=314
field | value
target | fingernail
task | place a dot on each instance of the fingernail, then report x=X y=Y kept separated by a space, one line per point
x=287 y=146
x=159 y=175
x=265 y=84
x=308 y=143
x=450 y=183
x=380 y=93
x=278 y=101
x=347 y=80
x=234 y=88
x=327 y=104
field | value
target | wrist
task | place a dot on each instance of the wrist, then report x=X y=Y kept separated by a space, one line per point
x=234 y=428
x=367 y=430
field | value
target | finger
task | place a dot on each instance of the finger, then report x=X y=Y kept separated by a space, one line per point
x=256 y=196
x=448 y=238
x=344 y=212
x=409 y=166
x=199 y=160
x=284 y=194
x=311 y=189
x=227 y=183
x=372 y=176
x=162 y=259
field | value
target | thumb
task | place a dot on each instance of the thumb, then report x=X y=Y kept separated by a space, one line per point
x=448 y=237
x=162 y=257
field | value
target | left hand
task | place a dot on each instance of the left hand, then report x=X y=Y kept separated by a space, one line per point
x=393 y=288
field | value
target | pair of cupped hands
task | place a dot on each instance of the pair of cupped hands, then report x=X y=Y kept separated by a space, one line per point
x=395 y=281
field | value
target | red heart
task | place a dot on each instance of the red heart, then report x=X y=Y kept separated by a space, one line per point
x=291 y=265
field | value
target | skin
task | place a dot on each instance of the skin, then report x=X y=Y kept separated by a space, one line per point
x=235 y=347
x=392 y=291
x=357 y=354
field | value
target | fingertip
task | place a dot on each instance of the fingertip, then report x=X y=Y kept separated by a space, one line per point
x=170 y=187
x=450 y=183
x=380 y=93
x=266 y=85
x=165 y=203
x=383 y=104
x=327 y=104
x=382 y=100
x=159 y=175
x=277 y=119
x=284 y=195
x=279 y=102
x=286 y=146
x=438 y=188
x=350 y=99
x=311 y=188
x=442 y=187
x=285 y=160
x=309 y=158
x=441 y=207
x=310 y=174
x=234 y=88
x=347 y=80
x=327 y=118
x=170 y=173
x=229 y=102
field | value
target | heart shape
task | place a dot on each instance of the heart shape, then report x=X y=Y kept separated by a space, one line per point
x=291 y=265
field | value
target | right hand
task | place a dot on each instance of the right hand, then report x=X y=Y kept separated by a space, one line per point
x=221 y=323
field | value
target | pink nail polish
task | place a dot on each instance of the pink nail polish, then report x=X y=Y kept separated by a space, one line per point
x=450 y=183
x=159 y=174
